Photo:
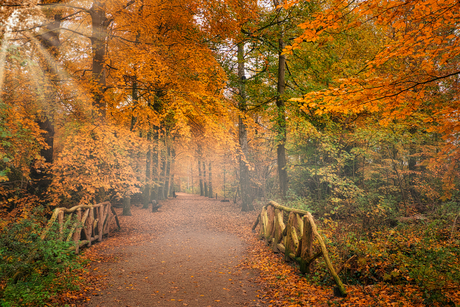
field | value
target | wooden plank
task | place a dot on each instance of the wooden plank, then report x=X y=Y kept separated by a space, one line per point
x=265 y=235
x=77 y=234
x=106 y=219
x=278 y=231
x=281 y=248
x=292 y=241
x=61 y=224
x=89 y=226
x=286 y=209
x=262 y=223
x=84 y=221
x=50 y=223
x=100 y=221
x=111 y=217
x=85 y=216
x=299 y=224
x=116 y=217
x=306 y=253
x=337 y=280
x=270 y=230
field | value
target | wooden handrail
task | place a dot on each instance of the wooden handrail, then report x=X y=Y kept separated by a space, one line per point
x=92 y=222
x=95 y=217
x=295 y=239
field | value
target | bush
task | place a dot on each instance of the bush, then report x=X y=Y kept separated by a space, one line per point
x=417 y=254
x=32 y=270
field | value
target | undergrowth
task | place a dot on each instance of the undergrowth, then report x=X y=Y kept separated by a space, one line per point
x=422 y=254
x=34 y=271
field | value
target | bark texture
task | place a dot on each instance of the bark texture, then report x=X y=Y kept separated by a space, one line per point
x=99 y=23
x=243 y=136
x=280 y=104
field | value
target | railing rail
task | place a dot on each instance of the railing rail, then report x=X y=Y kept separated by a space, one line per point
x=92 y=223
x=295 y=239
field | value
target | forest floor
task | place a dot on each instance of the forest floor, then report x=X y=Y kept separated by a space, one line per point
x=197 y=251
x=186 y=254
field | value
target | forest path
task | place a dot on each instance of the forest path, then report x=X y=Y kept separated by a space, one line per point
x=186 y=254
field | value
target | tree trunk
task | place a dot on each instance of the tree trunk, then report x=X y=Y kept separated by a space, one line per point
x=135 y=96
x=243 y=135
x=99 y=24
x=413 y=168
x=168 y=172
x=201 y=178
x=148 y=177
x=394 y=153
x=171 y=173
x=155 y=165
x=41 y=178
x=161 y=177
x=135 y=91
x=127 y=206
x=210 y=193
x=281 y=118
x=204 y=180
x=191 y=177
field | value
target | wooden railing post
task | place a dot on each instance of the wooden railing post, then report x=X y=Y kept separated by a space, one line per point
x=61 y=224
x=307 y=247
x=262 y=223
x=278 y=232
x=100 y=222
x=77 y=233
x=89 y=226
x=270 y=227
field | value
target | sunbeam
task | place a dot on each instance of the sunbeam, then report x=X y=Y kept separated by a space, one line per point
x=57 y=69
x=3 y=49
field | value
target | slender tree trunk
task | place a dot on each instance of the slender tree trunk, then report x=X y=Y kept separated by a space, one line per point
x=135 y=97
x=161 y=187
x=168 y=172
x=393 y=154
x=413 y=168
x=135 y=91
x=154 y=159
x=210 y=181
x=204 y=180
x=172 y=186
x=201 y=178
x=281 y=118
x=171 y=173
x=191 y=176
x=162 y=176
x=243 y=135
x=148 y=178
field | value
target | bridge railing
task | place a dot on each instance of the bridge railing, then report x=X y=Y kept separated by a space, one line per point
x=87 y=223
x=294 y=239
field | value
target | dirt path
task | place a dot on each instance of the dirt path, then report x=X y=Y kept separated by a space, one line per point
x=184 y=255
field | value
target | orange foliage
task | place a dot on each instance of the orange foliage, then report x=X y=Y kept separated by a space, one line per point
x=413 y=77
x=96 y=159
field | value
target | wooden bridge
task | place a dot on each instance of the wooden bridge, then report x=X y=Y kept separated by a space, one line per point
x=87 y=223
x=295 y=239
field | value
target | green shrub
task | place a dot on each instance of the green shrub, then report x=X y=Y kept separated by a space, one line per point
x=32 y=270
x=415 y=254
